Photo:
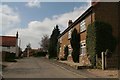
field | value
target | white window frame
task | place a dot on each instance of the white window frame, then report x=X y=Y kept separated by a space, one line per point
x=69 y=33
x=83 y=47
x=82 y=26
x=70 y=49
x=60 y=49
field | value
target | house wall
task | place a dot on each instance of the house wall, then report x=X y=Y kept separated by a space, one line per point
x=8 y=49
x=64 y=38
x=4 y=50
x=108 y=12
x=63 y=42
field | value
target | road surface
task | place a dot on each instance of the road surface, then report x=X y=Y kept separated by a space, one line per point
x=37 y=68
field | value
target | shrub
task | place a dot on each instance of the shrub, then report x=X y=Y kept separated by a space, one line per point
x=75 y=44
x=66 y=52
x=91 y=43
x=10 y=57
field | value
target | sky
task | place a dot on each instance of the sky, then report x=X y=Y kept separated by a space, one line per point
x=34 y=19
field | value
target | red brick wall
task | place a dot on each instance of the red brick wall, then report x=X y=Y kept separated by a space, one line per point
x=66 y=41
x=108 y=12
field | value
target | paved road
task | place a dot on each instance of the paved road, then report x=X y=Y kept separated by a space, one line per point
x=37 y=68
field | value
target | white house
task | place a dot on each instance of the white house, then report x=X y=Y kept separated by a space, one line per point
x=9 y=44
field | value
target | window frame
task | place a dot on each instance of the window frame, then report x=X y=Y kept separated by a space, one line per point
x=82 y=25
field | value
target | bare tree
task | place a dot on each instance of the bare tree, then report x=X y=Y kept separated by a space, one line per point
x=44 y=42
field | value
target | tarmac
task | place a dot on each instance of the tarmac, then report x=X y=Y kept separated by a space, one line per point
x=99 y=73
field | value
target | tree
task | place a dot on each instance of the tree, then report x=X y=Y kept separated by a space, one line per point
x=28 y=46
x=44 y=43
x=58 y=49
x=75 y=44
x=52 y=51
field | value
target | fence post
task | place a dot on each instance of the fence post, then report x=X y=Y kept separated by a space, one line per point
x=103 y=61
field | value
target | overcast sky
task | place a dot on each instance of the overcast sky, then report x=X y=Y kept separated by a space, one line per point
x=34 y=19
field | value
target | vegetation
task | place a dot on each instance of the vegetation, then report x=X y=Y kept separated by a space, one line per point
x=40 y=54
x=99 y=39
x=10 y=57
x=66 y=52
x=91 y=43
x=52 y=51
x=44 y=43
x=58 y=49
x=75 y=44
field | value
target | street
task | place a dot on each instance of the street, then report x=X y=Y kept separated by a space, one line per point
x=37 y=68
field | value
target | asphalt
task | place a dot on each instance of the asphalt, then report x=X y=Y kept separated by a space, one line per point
x=44 y=68
x=38 y=68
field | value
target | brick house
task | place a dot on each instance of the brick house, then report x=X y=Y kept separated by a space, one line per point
x=9 y=44
x=99 y=11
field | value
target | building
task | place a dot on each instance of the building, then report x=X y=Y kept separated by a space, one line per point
x=9 y=44
x=99 y=11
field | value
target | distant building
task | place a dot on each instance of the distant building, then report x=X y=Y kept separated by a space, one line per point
x=99 y=11
x=30 y=52
x=9 y=44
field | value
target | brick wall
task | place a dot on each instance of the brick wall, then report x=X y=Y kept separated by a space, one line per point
x=108 y=12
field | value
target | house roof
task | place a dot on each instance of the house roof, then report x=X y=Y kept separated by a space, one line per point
x=87 y=12
x=8 y=41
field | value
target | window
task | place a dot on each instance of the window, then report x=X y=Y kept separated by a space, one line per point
x=82 y=26
x=83 y=47
x=69 y=34
x=60 y=50
x=70 y=49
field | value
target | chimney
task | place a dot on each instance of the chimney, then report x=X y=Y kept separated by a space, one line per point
x=69 y=23
x=94 y=2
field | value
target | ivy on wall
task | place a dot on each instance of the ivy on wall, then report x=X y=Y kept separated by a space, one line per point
x=99 y=38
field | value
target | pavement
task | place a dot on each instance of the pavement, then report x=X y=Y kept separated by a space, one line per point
x=99 y=73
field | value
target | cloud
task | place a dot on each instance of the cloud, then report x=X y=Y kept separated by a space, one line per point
x=33 y=3
x=36 y=29
x=10 y=18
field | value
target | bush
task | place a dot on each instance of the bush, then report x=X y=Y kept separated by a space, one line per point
x=10 y=57
x=66 y=52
